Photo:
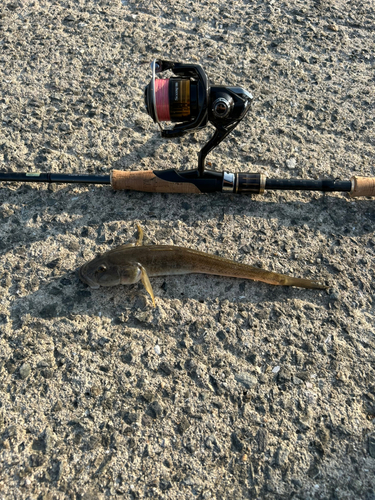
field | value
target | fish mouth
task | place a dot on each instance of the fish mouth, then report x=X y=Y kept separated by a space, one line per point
x=85 y=279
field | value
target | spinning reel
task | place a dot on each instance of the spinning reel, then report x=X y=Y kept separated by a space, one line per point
x=190 y=102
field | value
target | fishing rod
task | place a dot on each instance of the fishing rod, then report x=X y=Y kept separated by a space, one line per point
x=173 y=181
x=188 y=101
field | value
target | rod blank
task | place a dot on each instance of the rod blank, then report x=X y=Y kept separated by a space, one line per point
x=60 y=178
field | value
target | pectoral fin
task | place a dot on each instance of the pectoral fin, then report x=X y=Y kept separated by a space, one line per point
x=147 y=284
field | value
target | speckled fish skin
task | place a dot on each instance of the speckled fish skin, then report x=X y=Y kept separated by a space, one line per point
x=122 y=266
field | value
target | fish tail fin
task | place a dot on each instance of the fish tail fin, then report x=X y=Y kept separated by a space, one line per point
x=302 y=283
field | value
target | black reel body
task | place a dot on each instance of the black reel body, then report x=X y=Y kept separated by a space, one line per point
x=188 y=101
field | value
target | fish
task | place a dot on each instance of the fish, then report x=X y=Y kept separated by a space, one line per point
x=130 y=263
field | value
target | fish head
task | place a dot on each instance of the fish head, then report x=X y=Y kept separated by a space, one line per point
x=100 y=272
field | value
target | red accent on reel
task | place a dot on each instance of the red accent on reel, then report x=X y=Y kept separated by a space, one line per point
x=162 y=99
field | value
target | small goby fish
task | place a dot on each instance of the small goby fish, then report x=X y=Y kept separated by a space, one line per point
x=128 y=264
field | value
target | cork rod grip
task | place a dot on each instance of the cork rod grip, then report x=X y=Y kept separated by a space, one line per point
x=362 y=186
x=148 y=181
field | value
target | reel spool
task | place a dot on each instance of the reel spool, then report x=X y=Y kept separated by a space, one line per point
x=191 y=103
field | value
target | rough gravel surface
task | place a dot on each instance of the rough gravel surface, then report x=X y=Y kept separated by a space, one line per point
x=229 y=389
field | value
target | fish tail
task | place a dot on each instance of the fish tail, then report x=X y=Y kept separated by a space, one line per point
x=240 y=270
x=300 y=282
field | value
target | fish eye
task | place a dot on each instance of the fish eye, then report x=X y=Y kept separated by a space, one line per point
x=101 y=268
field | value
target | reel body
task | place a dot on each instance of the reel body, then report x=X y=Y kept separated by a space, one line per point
x=191 y=103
